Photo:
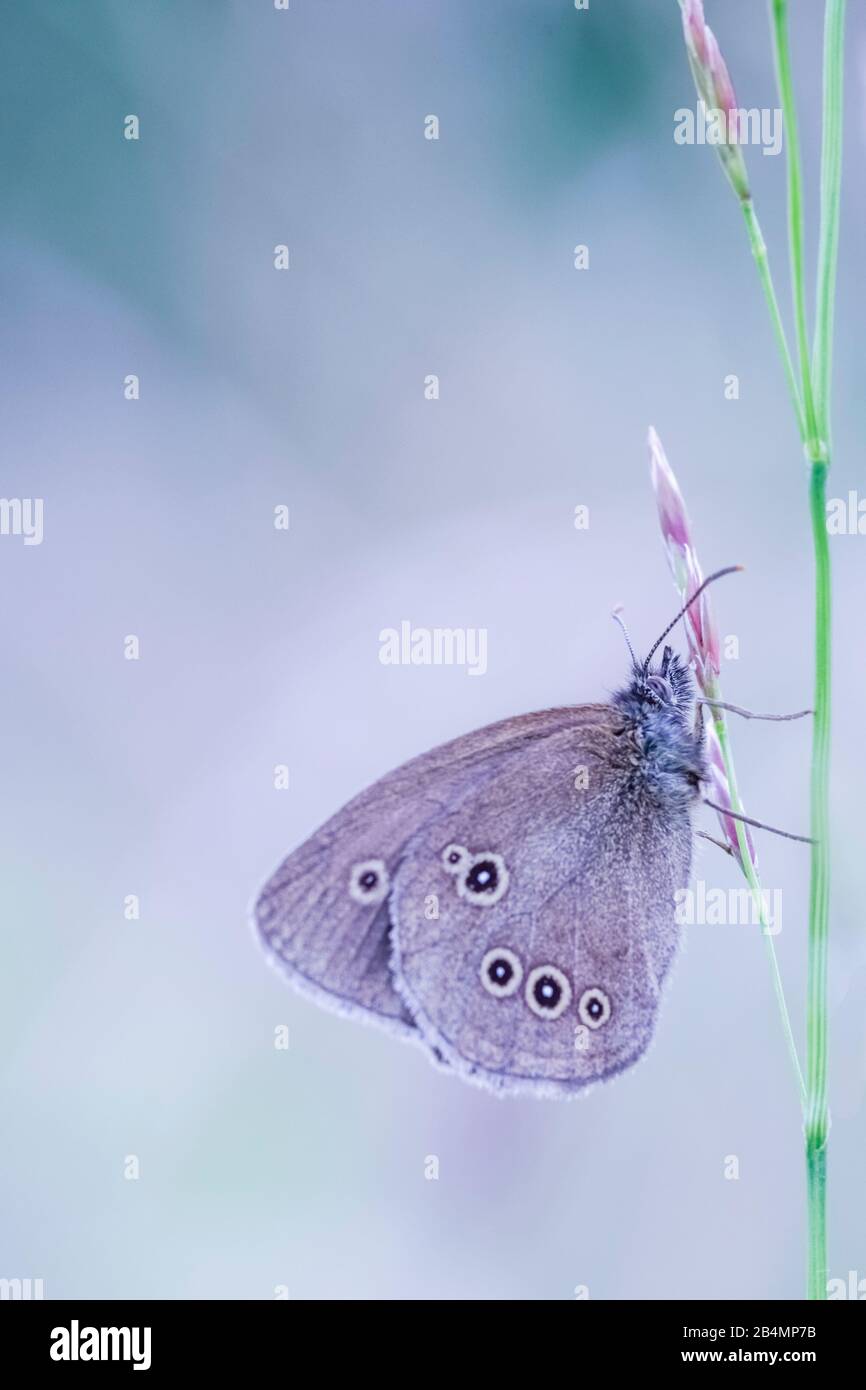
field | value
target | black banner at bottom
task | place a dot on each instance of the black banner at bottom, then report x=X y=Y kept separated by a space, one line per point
x=158 y=1338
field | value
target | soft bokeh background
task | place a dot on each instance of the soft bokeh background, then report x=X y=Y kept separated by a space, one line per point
x=155 y=1038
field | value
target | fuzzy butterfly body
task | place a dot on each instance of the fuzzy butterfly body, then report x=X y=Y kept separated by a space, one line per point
x=507 y=899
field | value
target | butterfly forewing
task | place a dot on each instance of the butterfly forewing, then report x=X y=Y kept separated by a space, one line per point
x=325 y=914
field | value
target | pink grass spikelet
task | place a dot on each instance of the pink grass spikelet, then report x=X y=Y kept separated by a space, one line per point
x=716 y=91
x=701 y=632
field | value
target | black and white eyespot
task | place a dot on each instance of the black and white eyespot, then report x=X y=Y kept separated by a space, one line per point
x=369 y=882
x=501 y=972
x=548 y=991
x=485 y=880
x=594 y=1007
x=455 y=858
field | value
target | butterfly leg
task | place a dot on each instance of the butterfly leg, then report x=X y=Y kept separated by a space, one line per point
x=758 y=824
x=748 y=714
x=713 y=841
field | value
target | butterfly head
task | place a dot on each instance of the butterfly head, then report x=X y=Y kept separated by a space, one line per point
x=659 y=695
x=662 y=694
x=665 y=742
x=667 y=686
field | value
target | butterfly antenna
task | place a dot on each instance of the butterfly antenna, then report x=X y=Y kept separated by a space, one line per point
x=618 y=618
x=719 y=574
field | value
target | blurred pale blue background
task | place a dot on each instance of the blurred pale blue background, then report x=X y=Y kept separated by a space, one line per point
x=155 y=1038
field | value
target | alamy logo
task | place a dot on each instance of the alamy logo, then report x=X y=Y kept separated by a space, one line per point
x=436 y=646
x=846 y=516
x=728 y=907
x=22 y=516
x=76 y=1343
x=23 y=1289
x=712 y=125
x=853 y=1287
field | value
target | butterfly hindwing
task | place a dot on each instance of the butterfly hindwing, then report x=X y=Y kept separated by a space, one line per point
x=534 y=919
x=325 y=914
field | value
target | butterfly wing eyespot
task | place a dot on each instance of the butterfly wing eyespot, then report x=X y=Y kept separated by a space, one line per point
x=594 y=1007
x=501 y=972
x=484 y=879
x=548 y=991
x=369 y=882
x=455 y=858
